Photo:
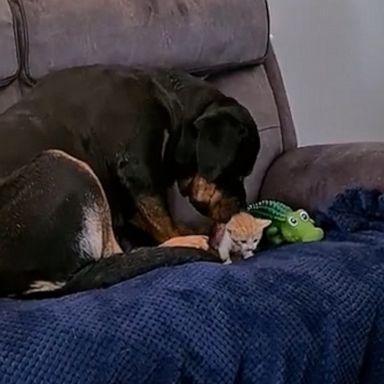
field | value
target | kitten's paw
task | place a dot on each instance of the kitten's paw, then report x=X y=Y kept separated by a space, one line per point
x=199 y=242
x=227 y=262
x=248 y=255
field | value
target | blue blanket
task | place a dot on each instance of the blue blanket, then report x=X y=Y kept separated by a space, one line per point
x=298 y=314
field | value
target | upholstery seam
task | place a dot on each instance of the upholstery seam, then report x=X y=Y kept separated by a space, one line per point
x=283 y=136
x=6 y=81
x=23 y=37
x=269 y=128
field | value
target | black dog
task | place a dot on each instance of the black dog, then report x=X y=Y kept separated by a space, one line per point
x=139 y=131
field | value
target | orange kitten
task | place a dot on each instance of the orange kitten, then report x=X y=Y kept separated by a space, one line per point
x=240 y=236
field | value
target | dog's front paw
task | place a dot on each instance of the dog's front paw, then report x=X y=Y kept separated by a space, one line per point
x=199 y=242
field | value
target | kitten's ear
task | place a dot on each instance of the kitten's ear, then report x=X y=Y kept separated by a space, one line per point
x=265 y=223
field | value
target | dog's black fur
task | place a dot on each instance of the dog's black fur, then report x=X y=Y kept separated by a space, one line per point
x=116 y=120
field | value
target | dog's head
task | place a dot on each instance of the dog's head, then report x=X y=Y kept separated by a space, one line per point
x=213 y=155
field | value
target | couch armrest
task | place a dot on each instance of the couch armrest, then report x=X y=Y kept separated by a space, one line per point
x=308 y=176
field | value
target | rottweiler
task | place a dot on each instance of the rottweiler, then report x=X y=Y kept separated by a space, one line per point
x=89 y=153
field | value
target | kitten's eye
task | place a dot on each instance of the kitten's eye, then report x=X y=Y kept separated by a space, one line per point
x=243 y=241
x=255 y=240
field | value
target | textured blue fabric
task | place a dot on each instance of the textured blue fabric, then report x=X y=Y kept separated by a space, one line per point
x=298 y=314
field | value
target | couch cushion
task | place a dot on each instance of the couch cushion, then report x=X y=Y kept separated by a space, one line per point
x=8 y=52
x=10 y=95
x=188 y=34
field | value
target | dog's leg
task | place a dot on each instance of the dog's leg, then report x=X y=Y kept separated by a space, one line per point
x=155 y=218
x=144 y=183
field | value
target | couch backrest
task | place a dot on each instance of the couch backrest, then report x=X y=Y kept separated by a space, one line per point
x=225 y=40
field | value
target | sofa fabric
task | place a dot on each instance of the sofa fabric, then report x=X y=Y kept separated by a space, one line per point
x=9 y=65
x=288 y=132
x=62 y=34
x=9 y=95
x=307 y=176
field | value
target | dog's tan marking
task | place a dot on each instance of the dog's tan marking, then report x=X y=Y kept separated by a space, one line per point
x=44 y=286
x=216 y=205
x=90 y=240
x=155 y=219
x=199 y=242
x=202 y=191
x=97 y=226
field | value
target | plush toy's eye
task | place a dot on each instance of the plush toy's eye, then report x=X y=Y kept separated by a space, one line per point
x=304 y=216
x=292 y=221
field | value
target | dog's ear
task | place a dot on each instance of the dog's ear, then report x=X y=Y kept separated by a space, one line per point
x=184 y=151
x=219 y=134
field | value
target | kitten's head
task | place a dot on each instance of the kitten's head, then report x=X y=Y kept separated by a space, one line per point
x=246 y=232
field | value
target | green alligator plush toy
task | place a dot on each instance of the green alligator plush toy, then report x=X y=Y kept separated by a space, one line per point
x=287 y=226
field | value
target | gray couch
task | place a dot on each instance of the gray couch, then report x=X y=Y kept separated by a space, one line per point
x=227 y=41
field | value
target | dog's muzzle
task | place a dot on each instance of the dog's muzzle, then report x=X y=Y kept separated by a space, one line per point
x=209 y=200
